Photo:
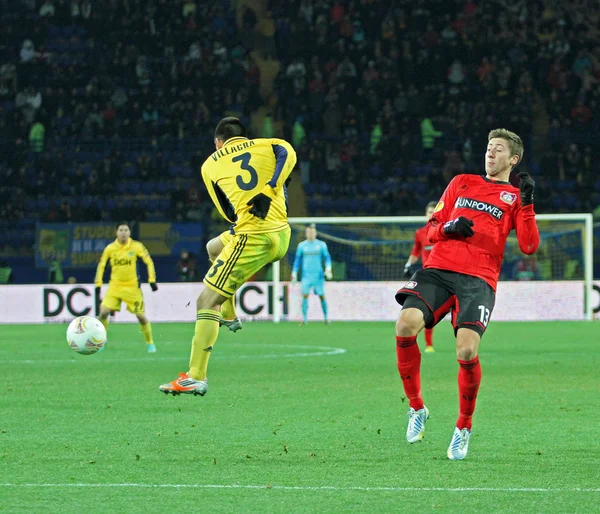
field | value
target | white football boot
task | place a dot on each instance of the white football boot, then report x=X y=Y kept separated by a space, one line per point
x=232 y=324
x=416 y=424
x=459 y=446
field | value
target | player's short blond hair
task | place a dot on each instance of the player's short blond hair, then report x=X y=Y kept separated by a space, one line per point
x=515 y=145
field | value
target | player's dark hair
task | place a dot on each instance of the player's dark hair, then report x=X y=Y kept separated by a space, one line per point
x=121 y=223
x=515 y=145
x=431 y=205
x=230 y=127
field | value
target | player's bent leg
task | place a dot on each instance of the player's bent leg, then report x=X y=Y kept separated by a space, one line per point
x=469 y=378
x=304 y=309
x=134 y=299
x=146 y=328
x=459 y=444
x=467 y=343
x=229 y=316
x=214 y=247
x=103 y=318
x=410 y=322
x=324 y=307
x=233 y=325
x=425 y=300
x=205 y=335
x=206 y=332
x=429 y=340
x=103 y=315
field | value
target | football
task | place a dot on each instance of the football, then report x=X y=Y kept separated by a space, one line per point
x=86 y=335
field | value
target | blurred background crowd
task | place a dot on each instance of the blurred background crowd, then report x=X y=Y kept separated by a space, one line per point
x=107 y=107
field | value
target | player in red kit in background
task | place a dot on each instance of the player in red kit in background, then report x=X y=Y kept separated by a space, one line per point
x=421 y=250
x=468 y=229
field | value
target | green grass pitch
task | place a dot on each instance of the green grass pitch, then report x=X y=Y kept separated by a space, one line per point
x=292 y=425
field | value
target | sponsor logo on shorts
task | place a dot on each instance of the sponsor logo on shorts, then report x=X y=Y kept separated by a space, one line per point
x=410 y=285
x=476 y=205
x=507 y=197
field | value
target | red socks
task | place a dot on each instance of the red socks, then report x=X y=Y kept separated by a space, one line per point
x=469 y=378
x=409 y=366
x=429 y=336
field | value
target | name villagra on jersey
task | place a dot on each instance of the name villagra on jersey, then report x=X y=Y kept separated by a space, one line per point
x=476 y=205
x=228 y=150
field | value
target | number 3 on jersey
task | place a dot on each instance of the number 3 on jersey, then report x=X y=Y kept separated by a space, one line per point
x=244 y=161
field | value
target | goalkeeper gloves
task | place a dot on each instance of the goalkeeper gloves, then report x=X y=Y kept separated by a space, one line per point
x=460 y=226
x=261 y=204
x=328 y=274
x=294 y=277
x=153 y=286
x=408 y=270
x=526 y=186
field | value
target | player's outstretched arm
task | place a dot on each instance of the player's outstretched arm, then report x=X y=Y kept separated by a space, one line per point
x=414 y=256
x=412 y=260
x=460 y=226
x=297 y=261
x=221 y=202
x=144 y=254
x=100 y=269
x=285 y=160
x=438 y=227
x=526 y=227
x=327 y=259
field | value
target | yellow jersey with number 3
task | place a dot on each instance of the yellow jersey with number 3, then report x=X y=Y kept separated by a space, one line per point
x=243 y=168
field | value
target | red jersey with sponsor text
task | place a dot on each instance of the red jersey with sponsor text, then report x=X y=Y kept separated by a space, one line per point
x=495 y=209
x=422 y=247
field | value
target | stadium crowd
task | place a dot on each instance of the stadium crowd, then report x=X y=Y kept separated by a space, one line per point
x=107 y=107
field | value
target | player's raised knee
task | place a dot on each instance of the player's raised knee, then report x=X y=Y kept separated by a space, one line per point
x=410 y=322
x=213 y=248
x=209 y=299
x=467 y=344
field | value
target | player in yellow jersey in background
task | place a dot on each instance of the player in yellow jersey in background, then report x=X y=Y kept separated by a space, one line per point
x=246 y=181
x=124 y=285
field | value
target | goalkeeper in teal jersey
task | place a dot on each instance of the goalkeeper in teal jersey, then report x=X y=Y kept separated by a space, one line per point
x=312 y=254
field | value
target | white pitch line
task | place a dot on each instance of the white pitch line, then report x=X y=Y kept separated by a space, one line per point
x=323 y=488
x=320 y=351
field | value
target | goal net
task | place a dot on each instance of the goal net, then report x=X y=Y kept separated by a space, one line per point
x=369 y=254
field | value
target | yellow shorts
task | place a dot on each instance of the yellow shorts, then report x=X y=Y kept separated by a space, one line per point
x=243 y=256
x=131 y=295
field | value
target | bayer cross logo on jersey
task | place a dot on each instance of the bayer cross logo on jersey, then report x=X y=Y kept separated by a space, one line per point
x=476 y=205
x=507 y=197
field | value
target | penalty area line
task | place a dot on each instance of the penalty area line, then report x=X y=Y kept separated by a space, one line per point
x=319 y=488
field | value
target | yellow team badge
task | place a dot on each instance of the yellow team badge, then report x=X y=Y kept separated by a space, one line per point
x=439 y=206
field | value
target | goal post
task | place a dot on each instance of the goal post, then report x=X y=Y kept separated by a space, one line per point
x=374 y=249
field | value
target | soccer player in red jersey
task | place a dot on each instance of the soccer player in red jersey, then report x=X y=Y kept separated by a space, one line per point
x=421 y=250
x=468 y=229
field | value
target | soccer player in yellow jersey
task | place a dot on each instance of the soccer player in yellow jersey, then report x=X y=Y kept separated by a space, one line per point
x=124 y=286
x=246 y=181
